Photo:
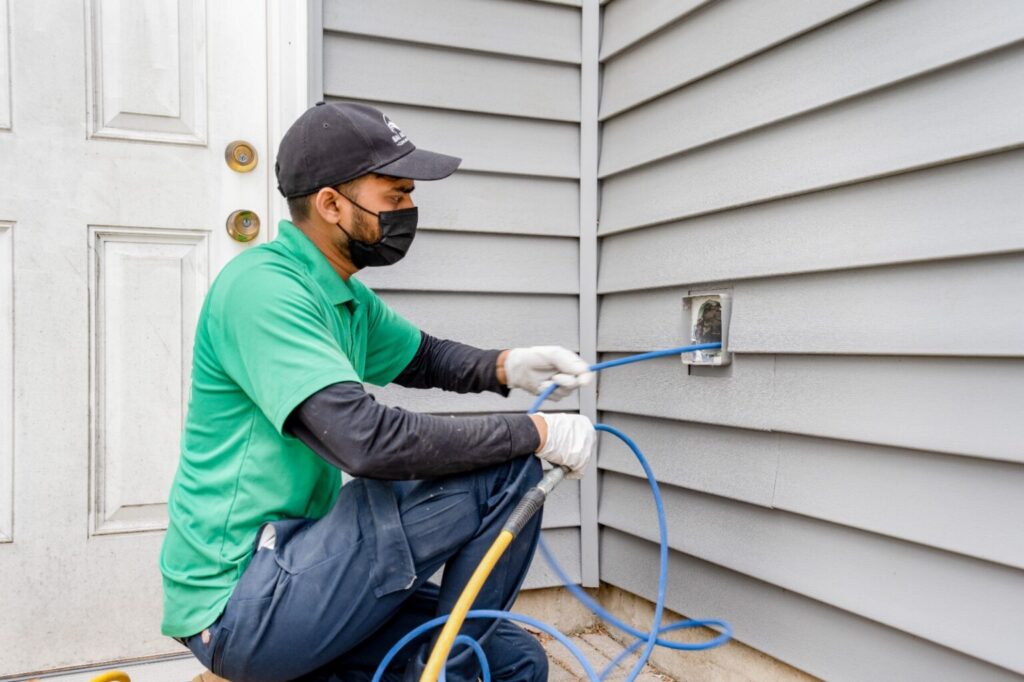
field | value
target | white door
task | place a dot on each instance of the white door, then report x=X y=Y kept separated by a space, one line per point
x=114 y=192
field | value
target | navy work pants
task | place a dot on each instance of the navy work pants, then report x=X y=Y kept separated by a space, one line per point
x=336 y=593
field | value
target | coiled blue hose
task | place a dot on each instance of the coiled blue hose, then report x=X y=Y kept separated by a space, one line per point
x=648 y=639
x=485 y=667
x=484 y=613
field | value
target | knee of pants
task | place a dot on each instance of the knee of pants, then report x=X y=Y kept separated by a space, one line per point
x=513 y=477
x=528 y=471
x=534 y=660
x=528 y=661
x=506 y=483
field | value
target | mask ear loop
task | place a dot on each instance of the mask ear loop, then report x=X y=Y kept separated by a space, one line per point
x=347 y=235
x=361 y=208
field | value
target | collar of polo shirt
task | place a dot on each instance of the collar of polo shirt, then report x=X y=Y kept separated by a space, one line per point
x=319 y=267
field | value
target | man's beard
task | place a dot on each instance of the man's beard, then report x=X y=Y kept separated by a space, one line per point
x=360 y=229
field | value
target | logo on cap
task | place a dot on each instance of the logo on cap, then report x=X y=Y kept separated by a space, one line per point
x=398 y=137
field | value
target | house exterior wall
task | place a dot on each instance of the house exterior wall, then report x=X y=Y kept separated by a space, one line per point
x=848 y=493
x=495 y=264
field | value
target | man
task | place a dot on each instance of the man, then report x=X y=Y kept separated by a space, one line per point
x=272 y=570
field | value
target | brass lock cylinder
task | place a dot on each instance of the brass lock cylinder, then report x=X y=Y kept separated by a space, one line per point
x=243 y=226
x=241 y=156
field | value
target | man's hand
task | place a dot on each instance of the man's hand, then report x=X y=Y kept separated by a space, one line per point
x=534 y=369
x=565 y=440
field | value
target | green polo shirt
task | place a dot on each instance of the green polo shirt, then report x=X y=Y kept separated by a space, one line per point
x=278 y=324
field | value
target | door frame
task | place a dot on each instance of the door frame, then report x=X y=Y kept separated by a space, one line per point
x=295 y=38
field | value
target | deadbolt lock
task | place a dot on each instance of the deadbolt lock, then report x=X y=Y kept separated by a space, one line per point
x=241 y=156
x=243 y=226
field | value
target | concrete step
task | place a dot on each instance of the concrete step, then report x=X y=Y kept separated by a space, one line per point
x=600 y=649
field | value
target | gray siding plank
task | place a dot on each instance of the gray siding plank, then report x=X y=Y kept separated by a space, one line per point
x=964 y=307
x=482 y=202
x=741 y=396
x=379 y=70
x=822 y=640
x=723 y=34
x=562 y=509
x=941 y=403
x=740 y=464
x=626 y=22
x=491 y=320
x=872 y=48
x=565 y=545
x=960 y=504
x=957 y=406
x=661 y=325
x=514 y=27
x=454 y=261
x=968 y=208
x=967 y=110
x=915 y=589
x=493 y=144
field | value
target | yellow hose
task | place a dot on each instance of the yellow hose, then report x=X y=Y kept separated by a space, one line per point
x=451 y=628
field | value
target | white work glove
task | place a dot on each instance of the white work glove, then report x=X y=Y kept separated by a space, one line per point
x=570 y=442
x=534 y=369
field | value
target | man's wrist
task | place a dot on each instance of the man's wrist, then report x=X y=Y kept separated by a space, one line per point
x=542 y=430
x=500 y=368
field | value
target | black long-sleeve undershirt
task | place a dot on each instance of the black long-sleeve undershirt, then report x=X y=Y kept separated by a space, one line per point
x=347 y=427
x=452 y=366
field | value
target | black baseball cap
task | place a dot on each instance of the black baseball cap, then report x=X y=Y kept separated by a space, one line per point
x=334 y=142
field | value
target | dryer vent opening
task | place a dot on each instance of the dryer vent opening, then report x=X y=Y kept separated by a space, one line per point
x=708 y=328
x=706 y=320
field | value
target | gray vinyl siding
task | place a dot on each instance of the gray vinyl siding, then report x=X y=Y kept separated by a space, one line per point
x=496 y=263
x=849 y=492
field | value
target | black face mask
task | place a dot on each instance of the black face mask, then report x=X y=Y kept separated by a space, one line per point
x=397 y=230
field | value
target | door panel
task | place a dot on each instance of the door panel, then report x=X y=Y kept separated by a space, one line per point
x=147 y=70
x=147 y=288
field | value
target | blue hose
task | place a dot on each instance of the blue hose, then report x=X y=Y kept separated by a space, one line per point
x=485 y=667
x=659 y=605
x=679 y=625
x=648 y=639
x=630 y=359
x=485 y=613
x=598 y=610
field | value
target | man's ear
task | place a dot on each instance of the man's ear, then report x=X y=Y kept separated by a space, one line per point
x=326 y=205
